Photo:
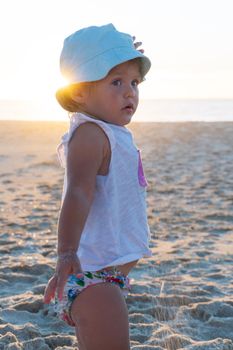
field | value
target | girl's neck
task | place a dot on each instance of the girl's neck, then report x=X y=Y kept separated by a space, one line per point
x=93 y=117
x=96 y=118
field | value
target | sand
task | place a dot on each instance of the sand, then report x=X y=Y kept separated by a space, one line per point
x=182 y=296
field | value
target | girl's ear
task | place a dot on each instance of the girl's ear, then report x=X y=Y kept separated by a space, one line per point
x=78 y=94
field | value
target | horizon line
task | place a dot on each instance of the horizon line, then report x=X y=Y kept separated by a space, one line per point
x=142 y=98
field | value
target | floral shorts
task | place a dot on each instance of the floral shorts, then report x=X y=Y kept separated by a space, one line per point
x=77 y=283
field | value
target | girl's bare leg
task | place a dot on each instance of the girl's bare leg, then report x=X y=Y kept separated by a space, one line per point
x=101 y=318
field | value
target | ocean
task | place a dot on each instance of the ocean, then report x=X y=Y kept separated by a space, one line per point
x=154 y=110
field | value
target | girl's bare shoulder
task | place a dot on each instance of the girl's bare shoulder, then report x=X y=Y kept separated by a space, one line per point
x=90 y=135
x=87 y=150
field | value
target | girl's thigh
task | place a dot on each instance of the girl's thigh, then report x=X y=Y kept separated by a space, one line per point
x=101 y=318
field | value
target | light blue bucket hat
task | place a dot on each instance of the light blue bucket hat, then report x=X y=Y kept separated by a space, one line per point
x=90 y=53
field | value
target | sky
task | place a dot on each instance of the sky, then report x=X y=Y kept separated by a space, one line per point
x=188 y=41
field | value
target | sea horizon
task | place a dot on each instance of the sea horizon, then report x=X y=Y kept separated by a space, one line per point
x=149 y=110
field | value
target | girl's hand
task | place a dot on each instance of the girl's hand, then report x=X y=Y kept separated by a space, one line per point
x=67 y=263
x=137 y=44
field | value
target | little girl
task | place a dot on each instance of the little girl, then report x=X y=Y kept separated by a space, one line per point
x=102 y=229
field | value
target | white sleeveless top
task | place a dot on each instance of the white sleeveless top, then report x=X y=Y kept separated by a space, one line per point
x=116 y=229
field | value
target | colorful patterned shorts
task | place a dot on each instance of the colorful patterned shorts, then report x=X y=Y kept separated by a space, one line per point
x=77 y=283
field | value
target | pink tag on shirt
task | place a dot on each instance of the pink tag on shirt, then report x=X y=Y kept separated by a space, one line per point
x=141 y=176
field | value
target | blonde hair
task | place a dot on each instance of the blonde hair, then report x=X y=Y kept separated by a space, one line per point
x=65 y=99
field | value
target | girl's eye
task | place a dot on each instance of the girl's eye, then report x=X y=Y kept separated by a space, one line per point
x=135 y=82
x=117 y=82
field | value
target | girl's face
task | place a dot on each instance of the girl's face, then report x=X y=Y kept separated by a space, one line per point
x=114 y=99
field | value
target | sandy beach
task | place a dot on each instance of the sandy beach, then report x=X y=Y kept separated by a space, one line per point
x=182 y=297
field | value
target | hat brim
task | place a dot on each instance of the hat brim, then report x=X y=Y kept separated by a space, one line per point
x=99 y=67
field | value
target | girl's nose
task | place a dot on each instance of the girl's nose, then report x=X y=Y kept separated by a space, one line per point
x=130 y=91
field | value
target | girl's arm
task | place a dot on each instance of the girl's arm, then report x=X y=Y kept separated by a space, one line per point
x=87 y=150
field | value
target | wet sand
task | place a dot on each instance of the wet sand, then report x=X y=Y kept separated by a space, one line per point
x=182 y=296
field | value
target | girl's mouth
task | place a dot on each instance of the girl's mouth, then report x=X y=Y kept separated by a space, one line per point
x=129 y=108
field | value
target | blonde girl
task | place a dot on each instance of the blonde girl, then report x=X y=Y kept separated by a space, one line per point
x=102 y=229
